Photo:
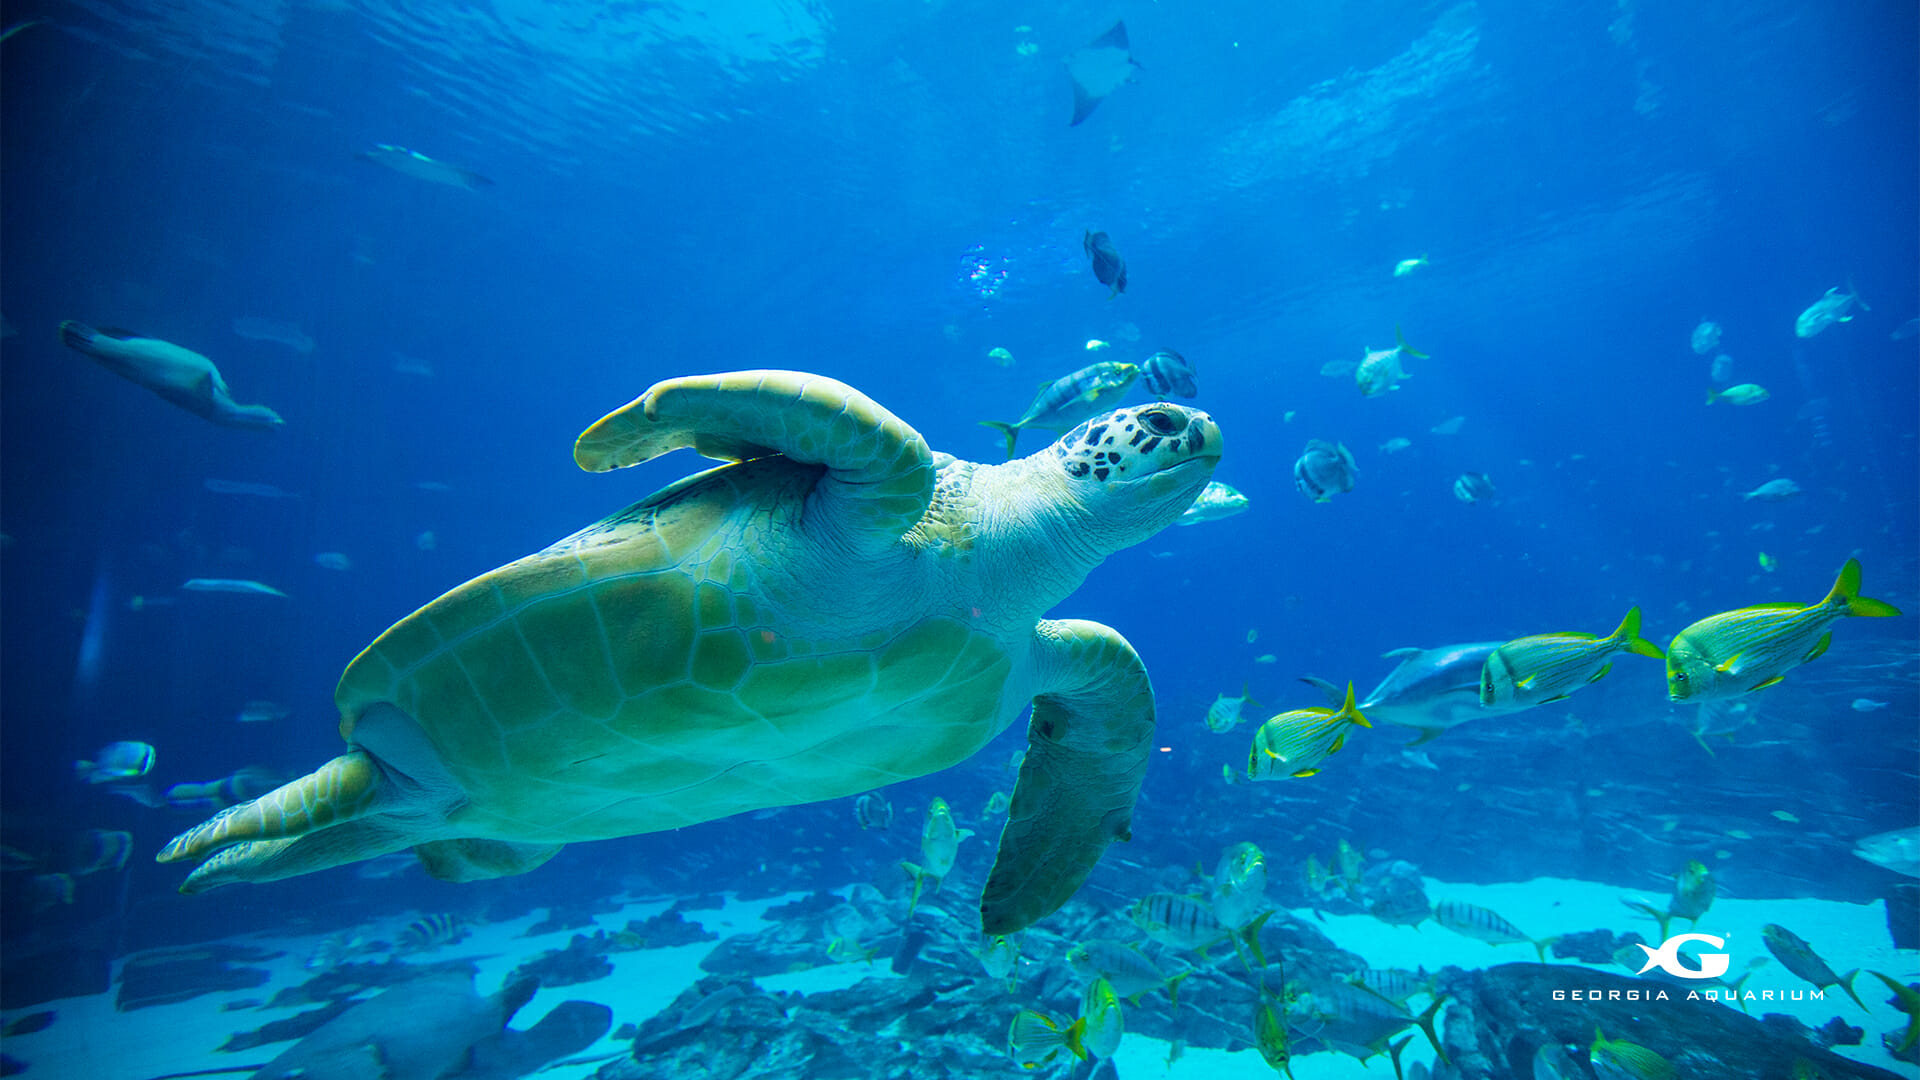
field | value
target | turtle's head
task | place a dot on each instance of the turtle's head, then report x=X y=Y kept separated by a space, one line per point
x=1137 y=469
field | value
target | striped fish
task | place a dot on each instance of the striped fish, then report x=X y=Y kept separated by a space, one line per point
x=1066 y=401
x=1126 y=968
x=1534 y=670
x=1735 y=652
x=1393 y=984
x=1295 y=743
x=1618 y=1059
x=1484 y=924
x=431 y=932
x=1188 y=922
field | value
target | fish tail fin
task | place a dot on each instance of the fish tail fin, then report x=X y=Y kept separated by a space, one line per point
x=1425 y=1020
x=1628 y=635
x=1011 y=432
x=1846 y=589
x=919 y=877
x=1855 y=290
x=1401 y=340
x=1352 y=711
x=1071 y=1038
x=1173 y=989
x=1540 y=946
x=1704 y=746
x=1846 y=983
x=1737 y=984
x=1250 y=934
x=1712 y=395
x=1325 y=687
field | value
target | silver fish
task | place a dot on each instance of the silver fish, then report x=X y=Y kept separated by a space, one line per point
x=117 y=761
x=1216 y=501
x=1070 y=399
x=1778 y=490
x=1829 y=309
x=1898 y=851
x=421 y=167
x=1431 y=691
x=230 y=585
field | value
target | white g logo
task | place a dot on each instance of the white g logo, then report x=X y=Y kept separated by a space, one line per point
x=1667 y=959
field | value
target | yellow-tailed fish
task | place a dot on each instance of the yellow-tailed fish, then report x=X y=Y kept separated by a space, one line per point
x=1188 y=922
x=1101 y=1023
x=1240 y=884
x=1036 y=1039
x=1380 y=369
x=1295 y=743
x=1618 y=1059
x=1735 y=652
x=1798 y=957
x=1347 y=860
x=939 y=844
x=999 y=956
x=1270 y=1032
x=1907 y=1001
x=1540 y=668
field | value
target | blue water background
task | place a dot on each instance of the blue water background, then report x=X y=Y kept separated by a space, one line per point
x=883 y=193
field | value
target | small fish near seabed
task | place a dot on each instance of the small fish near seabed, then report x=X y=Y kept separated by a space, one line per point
x=1070 y=399
x=1108 y=266
x=1215 y=501
x=1779 y=490
x=1542 y=668
x=1474 y=487
x=1098 y=68
x=1295 y=743
x=1167 y=373
x=1743 y=394
x=181 y=376
x=116 y=762
x=1227 y=713
x=278 y=331
x=939 y=845
x=873 y=811
x=1380 y=369
x=421 y=167
x=1736 y=652
x=1898 y=851
x=1324 y=470
x=242 y=586
x=1833 y=307
x=1706 y=337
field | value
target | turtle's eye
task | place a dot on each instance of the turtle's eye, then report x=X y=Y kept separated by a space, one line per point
x=1158 y=422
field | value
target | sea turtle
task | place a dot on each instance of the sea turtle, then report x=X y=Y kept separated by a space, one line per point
x=837 y=609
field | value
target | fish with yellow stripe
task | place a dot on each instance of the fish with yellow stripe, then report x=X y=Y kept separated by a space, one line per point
x=1541 y=668
x=1036 y=1038
x=1618 y=1059
x=1736 y=652
x=1295 y=743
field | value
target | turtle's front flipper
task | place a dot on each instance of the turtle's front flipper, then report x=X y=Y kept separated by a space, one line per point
x=881 y=472
x=1087 y=748
x=336 y=792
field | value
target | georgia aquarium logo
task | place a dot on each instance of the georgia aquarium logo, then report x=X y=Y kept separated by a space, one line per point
x=1667 y=958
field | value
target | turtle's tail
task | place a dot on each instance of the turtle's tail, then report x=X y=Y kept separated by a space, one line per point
x=340 y=790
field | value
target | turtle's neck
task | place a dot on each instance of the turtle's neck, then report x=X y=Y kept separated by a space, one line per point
x=1038 y=542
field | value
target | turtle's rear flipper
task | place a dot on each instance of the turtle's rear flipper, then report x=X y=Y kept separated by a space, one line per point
x=1087 y=748
x=389 y=793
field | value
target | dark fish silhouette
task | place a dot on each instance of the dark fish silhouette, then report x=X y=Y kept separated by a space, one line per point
x=1099 y=68
x=1108 y=266
x=1167 y=372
